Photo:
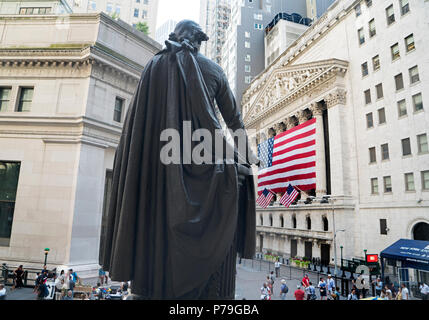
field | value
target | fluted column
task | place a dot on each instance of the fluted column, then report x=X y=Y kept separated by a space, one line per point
x=317 y=112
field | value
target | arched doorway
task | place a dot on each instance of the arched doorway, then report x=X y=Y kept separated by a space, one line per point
x=421 y=231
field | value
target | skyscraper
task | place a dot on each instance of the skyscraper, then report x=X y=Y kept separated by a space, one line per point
x=164 y=30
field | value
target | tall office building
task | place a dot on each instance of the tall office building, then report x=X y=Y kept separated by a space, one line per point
x=164 y=30
x=214 y=19
x=130 y=11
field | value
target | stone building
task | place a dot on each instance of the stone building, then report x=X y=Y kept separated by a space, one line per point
x=362 y=71
x=65 y=85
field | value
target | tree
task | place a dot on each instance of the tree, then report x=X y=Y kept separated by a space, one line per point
x=114 y=16
x=143 y=27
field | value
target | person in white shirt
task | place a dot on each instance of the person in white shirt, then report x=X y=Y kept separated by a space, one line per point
x=277 y=265
x=404 y=292
x=331 y=284
x=424 y=290
x=2 y=292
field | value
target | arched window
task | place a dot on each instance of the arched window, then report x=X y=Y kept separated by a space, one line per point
x=421 y=231
x=282 y=222
x=261 y=220
x=271 y=220
x=325 y=223
x=308 y=221
x=294 y=221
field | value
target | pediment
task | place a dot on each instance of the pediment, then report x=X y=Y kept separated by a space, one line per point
x=288 y=83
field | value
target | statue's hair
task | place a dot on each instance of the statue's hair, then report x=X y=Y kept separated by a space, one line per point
x=190 y=30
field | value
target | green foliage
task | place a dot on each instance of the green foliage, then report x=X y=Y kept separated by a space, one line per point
x=114 y=16
x=143 y=27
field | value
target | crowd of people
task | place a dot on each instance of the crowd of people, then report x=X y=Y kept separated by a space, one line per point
x=329 y=291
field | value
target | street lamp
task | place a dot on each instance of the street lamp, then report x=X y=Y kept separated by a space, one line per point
x=335 y=251
x=46 y=255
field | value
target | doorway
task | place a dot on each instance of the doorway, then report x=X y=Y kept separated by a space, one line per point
x=325 y=254
x=309 y=250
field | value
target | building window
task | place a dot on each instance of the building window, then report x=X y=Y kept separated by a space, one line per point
x=325 y=223
x=422 y=143
x=406 y=146
x=369 y=120
x=137 y=1
x=381 y=116
x=358 y=10
x=379 y=90
x=117 y=113
x=261 y=220
x=409 y=43
x=258 y=16
x=308 y=222
x=118 y=10
x=9 y=174
x=402 y=108
x=247 y=34
x=247 y=79
x=368 y=3
x=372 y=30
x=399 y=82
x=414 y=75
x=405 y=7
x=387 y=184
x=25 y=99
x=383 y=226
x=146 y=2
x=271 y=220
x=361 y=36
x=4 y=98
x=395 y=52
x=247 y=58
x=372 y=155
x=385 y=151
x=294 y=221
x=109 y=7
x=93 y=5
x=364 y=67
x=376 y=63
x=259 y=26
x=136 y=13
x=247 y=44
x=367 y=94
x=409 y=182
x=374 y=186
x=390 y=15
x=425 y=180
x=144 y=14
x=247 y=68
x=282 y=222
x=417 y=102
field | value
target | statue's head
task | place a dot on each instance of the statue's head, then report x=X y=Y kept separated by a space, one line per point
x=190 y=30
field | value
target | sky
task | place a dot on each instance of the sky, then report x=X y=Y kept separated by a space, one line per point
x=178 y=10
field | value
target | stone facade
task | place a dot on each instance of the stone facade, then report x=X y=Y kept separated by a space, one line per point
x=324 y=75
x=78 y=67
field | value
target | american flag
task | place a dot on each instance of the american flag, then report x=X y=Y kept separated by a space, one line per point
x=289 y=196
x=289 y=158
x=265 y=198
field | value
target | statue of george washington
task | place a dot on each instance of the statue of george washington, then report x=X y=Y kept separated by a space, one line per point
x=174 y=230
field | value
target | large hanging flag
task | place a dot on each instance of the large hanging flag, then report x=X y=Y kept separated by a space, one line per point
x=265 y=198
x=289 y=158
x=289 y=196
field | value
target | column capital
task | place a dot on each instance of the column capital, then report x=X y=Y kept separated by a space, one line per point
x=302 y=116
x=316 y=109
x=336 y=97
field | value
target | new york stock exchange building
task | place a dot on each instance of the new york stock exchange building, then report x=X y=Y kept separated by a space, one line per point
x=361 y=71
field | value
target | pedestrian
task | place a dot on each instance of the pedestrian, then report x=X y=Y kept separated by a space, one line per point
x=273 y=279
x=277 y=265
x=352 y=295
x=337 y=293
x=265 y=292
x=378 y=286
x=101 y=275
x=18 y=275
x=399 y=294
x=305 y=281
x=2 y=292
x=322 y=289
x=270 y=283
x=69 y=295
x=424 y=290
x=299 y=293
x=310 y=291
x=331 y=284
x=42 y=289
x=283 y=289
x=405 y=293
x=389 y=293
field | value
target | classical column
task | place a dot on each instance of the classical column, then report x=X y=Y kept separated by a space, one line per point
x=302 y=117
x=317 y=111
x=340 y=142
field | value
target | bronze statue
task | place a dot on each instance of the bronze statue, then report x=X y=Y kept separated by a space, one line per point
x=175 y=229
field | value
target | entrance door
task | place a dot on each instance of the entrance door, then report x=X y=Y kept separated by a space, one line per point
x=309 y=249
x=293 y=248
x=404 y=276
x=261 y=243
x=324 y=253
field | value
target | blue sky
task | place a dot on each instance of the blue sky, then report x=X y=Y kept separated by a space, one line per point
x=178 y=10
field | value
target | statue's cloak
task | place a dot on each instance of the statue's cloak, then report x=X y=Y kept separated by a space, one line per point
x=170 y=227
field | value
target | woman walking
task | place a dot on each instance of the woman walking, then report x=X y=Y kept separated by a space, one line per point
x=18 y=275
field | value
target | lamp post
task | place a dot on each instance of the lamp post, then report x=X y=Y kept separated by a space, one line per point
x=46 y=255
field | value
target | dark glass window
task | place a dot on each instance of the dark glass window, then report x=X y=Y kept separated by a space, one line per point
x=383 y=226
x=367 y=94
x=9 y=174
x=369 y=120
x=381 y=116
x=117 y=113
x=384 y=151
x=379 y=90
x=372 y=155
x=390 y=15
x=406 y=146
x=4 y=98
x=25 y=99
x=399 y=82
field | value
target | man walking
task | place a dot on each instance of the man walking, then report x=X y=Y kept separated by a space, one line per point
x=277 y=265
x=283 y=289
x=424 y=290
x=330 y=284
x=299 y=293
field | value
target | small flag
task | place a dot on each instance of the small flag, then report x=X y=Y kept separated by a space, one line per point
x=289 y=196
x=265 y=198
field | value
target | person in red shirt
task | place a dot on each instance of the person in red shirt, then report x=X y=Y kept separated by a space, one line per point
x=299 y=293
x=306 y=281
